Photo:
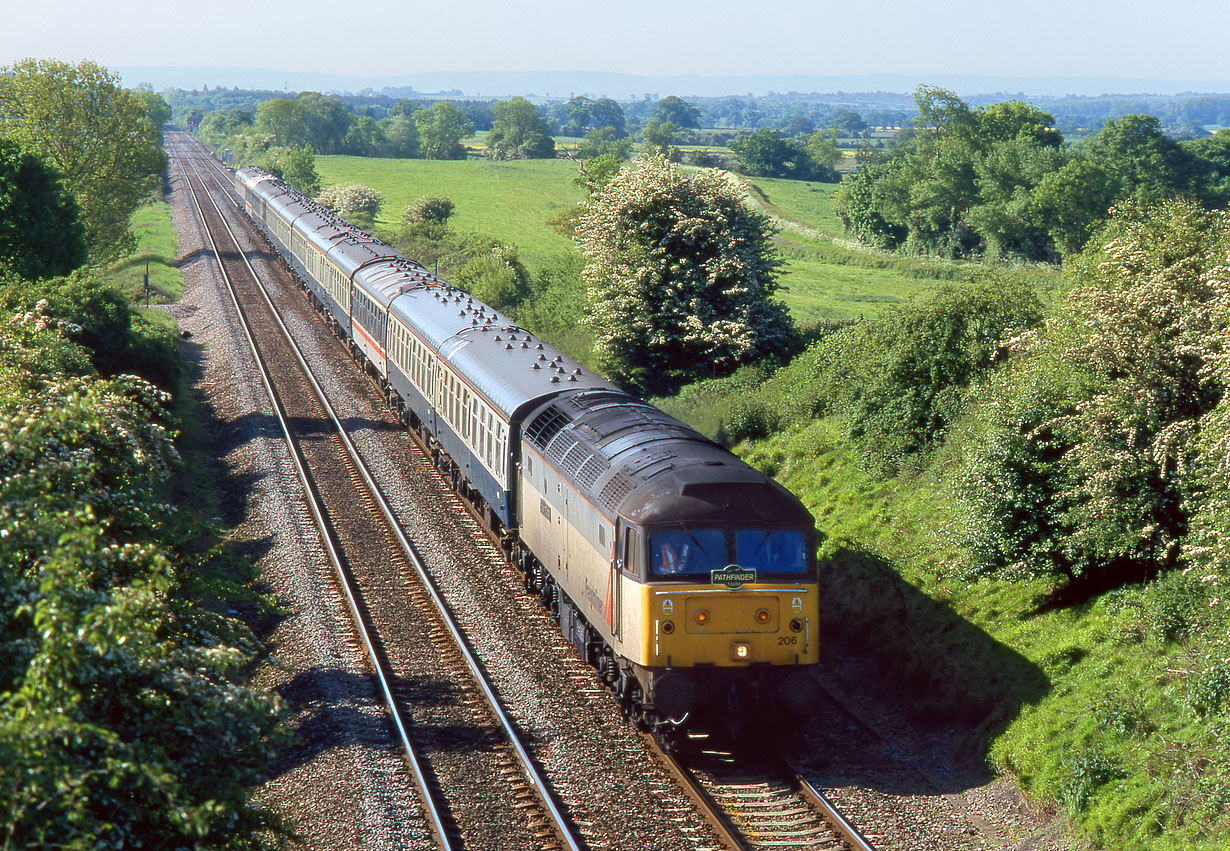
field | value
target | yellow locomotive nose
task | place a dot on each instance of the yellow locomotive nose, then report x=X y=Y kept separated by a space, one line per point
x=731 y=614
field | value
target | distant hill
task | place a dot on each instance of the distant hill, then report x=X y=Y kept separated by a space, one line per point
x=565 y=84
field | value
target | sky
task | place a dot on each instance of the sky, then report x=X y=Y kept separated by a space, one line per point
x=1175 y=40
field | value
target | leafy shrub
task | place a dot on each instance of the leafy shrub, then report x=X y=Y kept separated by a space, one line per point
x=1174 y=607
x=103 y=321
x=704 y=159
x=898 y=382
x=681 y=277
x=1084 y=453
x=430 y=209
x=495 y=277
x=1088 y=771
x=295 y=165
x=1121 y=714
x=353 y=201
x=749 y=419
x=121 y=724
x=1210 y=692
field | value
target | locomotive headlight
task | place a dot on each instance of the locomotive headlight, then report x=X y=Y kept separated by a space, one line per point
x=741 y=651
x=762 y=616
x=702 y=617
x=668 y=627
x=796 y=625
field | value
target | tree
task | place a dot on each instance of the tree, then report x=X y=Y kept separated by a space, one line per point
x=363 y=138
x=1211 y=167
x=441 y=129
x=519 y=132
x=297 y=166
x=846 y=122
x=158 y=110
x=1143 y=162
x=983 y=182
x=660 y=139
x=764 y=153
x=681 y=276
x=576 y=114
x=604 y=141
x=326 y=122
x=873 y=204
x=1071 y=201
x=353 y=201
x=676 y=111
x=608 y=113
x=400 y=136
x=799 y=125
x=824 y=154
x=40 y=234
x=284 y=119
x=941 y=113
x=97 y=135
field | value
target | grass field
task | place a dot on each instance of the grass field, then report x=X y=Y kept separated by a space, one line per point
x=510 y=201
x=158 y=244
x=825 y=277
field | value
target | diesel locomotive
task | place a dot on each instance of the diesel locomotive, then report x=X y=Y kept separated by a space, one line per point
x=685 y=577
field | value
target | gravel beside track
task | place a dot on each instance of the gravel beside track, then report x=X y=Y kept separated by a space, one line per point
x=342 y=783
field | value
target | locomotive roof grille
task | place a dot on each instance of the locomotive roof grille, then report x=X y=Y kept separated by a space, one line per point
x=546 y=425
x=589 y=472
x=614 y=491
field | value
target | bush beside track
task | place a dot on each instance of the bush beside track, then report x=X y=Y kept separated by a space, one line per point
x=124 y=717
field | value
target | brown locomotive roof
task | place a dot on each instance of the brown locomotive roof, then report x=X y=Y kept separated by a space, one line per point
x=631 y=459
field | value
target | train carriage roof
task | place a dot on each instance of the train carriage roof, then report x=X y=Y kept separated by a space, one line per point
x=253 y=176
x=288 y=204
x=388 y=277
x=505 y=363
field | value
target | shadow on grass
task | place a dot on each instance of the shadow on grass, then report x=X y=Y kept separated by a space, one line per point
x=918 y=660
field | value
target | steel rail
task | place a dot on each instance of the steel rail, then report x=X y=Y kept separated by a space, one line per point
x=826 y=806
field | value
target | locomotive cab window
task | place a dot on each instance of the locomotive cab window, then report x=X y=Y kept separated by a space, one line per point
x=686 y=552
x=771 y=550
x=693 y=553
x=632 y=552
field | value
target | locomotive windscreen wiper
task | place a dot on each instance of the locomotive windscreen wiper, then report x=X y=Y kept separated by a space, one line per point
x=699 y=545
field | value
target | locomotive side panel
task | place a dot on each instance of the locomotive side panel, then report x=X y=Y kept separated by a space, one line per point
x=555 y=519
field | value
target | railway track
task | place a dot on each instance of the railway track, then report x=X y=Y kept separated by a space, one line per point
x=429 y=665
x=756 y=800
